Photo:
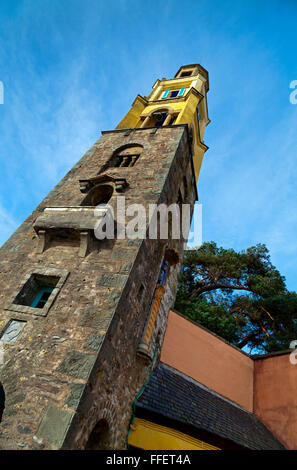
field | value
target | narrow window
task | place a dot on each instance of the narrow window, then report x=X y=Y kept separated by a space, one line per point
x=36 y=291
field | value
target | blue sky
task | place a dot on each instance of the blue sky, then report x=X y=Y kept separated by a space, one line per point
x=71 y=69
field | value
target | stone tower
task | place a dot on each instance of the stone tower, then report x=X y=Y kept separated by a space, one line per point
x=82 y=318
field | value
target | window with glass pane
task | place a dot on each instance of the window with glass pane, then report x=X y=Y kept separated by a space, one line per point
x=42 y=297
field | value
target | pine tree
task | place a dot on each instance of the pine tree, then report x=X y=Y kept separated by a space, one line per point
x=240 y=296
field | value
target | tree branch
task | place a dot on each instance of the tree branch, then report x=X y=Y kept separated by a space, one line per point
x=210 y=287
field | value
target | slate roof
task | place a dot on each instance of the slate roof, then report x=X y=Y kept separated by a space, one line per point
x=173 y=395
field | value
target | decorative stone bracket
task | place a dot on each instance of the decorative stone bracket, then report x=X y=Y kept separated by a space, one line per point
x=82 y=220
x=86 y=184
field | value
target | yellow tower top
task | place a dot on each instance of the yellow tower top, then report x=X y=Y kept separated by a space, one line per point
x=179 y=100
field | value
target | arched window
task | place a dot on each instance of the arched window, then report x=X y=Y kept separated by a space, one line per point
x=125 y=157
x=160 y=117
x=99 y=194
x=99 y=437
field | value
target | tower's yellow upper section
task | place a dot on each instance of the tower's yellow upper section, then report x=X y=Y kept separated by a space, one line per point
x=180 y=100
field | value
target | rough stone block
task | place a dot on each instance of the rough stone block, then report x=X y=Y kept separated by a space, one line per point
x=112 y=280
x=94 y=342
x=75 y=395
x=54 y=426
x=77 y=364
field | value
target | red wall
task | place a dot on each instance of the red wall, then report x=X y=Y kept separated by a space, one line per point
x=267 y=387
x=275 y=397
x=209 y=360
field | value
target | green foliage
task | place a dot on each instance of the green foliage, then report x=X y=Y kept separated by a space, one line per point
x=240 y=296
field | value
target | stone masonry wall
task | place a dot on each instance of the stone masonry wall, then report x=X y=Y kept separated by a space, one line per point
x=78 y=363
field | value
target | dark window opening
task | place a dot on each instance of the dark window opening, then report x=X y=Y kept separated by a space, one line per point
x=187 y=73
x=172 y=121
x=126 y=160
x=159 y=119
x=36 y=291
x=174 y=93
x=99 y=195
x=125 y=157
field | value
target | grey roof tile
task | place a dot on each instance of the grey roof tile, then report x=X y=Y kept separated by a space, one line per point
x=179 y=398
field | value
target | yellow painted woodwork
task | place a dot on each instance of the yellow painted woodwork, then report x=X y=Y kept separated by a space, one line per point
x=158 y=294
x=151 y=436
x=184 y=107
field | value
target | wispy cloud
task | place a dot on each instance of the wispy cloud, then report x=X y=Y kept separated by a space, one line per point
x=71 y=69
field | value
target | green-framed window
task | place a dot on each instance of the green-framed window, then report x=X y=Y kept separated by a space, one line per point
x=173 y=93
x=42 y=297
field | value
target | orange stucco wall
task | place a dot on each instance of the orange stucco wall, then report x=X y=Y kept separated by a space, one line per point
x=275 y=397
x=209 y=360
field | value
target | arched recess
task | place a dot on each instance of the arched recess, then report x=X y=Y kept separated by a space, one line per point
x=100 y=436
x=99 y=194
x=125 y=156
x=103 y=434
x=2 y=401
x=163 y=116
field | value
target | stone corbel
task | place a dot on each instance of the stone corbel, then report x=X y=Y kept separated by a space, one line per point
x=84 y=186
x=42 y=240
x=84 y=244
x=119 y=183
